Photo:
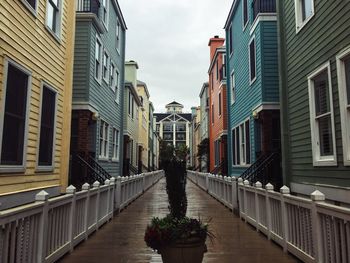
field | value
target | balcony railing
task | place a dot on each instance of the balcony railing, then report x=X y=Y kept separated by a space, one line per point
x=263 y=6
x=88 y=6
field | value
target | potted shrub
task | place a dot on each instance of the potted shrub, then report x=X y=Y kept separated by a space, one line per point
x=177 y=237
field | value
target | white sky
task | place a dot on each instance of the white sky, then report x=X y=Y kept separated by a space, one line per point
x=169 y=41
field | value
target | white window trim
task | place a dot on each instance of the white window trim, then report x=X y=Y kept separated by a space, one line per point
x=105 y=23
x=116 y=159
x=299 y=25
x=230 y=31
x=34 y=11
x=260 y=18
x=220 y=102
x=117 y=84
x=233 y=100
x=56 y=35
x=244 y=26
x=242 y=164
x=251 y=81
x=41 y=168
x=15 y=168
x=117 y=35
x=344 y=112
x=99 y=79
x=111 y=72
x=106 y=80
x=317 y=159
x=102 y=157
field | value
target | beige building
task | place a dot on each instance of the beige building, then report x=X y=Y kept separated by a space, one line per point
x=36 y=67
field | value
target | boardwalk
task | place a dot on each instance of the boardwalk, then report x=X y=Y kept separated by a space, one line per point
x=122 y=239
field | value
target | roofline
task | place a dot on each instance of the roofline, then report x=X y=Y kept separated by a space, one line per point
x=141 y=83
x=131 y=87
x=205 y=84
x=221 y=49
x=230 y=14
x=151 y=105
x=117 y=6
x=177 y=105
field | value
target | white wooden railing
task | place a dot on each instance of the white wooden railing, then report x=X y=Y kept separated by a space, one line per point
x=309 y=228
x=50 y=227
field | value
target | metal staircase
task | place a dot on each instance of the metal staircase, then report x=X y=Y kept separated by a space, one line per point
x=221 y=168
x=266 y=169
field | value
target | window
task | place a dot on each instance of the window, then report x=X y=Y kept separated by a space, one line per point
x=252 y=60
x=223 y=66
x=321 y=117
x=105 y=67
x=14 y=124
x=233 y=88
x=220 y=104
x=111 y=77
x=98 y=65
x=241 y=144
x=117 y=83
x=212 y=81
x=132 y=107
x=129 y=104
x=217 y=69
x=31 y=5
x=104 y=135
x=304 y=11
x=230 y=41
x=47 y=127
x=117 y=39
x=115 y=145
x=212 y=114
x=245 y=13
x=53 y=16
x=217 y=152
x=343 y=67
x=105 y=12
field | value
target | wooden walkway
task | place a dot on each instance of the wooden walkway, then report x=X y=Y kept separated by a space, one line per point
x=121 y=241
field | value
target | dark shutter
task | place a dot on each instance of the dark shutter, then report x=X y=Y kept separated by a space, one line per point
x=247 y=136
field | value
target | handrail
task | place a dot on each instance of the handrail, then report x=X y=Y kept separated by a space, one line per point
x=220 y=167
x=99 y=168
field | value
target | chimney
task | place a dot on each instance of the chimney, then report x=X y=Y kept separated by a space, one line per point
x=214 y=43
x=131 y=68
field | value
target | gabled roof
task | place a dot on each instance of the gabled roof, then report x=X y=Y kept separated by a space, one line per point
x=174 y=103
x=162 y=116
x=131 y=87
x=229 y=18
x=141 y=83
x=119 y=11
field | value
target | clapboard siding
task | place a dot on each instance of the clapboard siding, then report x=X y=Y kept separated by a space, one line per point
x=322 y=38
x=25 y=40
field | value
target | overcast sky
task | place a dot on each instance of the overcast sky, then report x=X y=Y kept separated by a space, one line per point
x=169 y=41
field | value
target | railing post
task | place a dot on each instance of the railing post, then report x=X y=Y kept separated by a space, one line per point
x=284 y=191
x=234 y=193
x=107 y=182
x=96 y=185
x=240 y=201
x=143 y=183
x=245 y=184
x=86 y=187
x=43 y=197
x=268 y=188
x=72 y=191
x=258 y=186
x=207 y=182
x=317 y=197
x=111 y=197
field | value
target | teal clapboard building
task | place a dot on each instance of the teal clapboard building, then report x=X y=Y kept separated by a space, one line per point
x=98 y=84
x=252 y=85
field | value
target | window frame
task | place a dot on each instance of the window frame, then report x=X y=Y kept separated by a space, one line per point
x=344 y=107
x=104 y=157
x=299 y=23
x=117 y=36
x=33 y=11
x=245 y=12
x=105 y=79
x=318 y=160
x=239 y=155
x=117 y=85
x=115 y=144
x=220 y=103
x=47 y=168
x=112 y=75
x=233 y=87
x=105 y=23
x=251 y=81
x=15 y=168
x=56 y=34
x=99 y=78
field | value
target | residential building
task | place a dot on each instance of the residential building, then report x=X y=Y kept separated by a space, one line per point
x=36 y=62
x=217 y=107
x=153 y=140
x=144 y=115
x=174 y=126
x=204 y=124
x=97 y=118
x=156 y=144
x=253 y=96
x=196 y=129
x=132 y=106
x=315 y=96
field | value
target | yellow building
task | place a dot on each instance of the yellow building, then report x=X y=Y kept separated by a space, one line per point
x=144 y=113
x=36 y=67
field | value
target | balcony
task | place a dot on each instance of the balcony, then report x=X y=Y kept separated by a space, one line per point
x=88 y=6
x=263 y=6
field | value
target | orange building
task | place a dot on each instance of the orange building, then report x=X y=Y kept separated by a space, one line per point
x=217 y=107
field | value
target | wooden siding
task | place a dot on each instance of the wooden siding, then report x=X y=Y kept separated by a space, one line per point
x=25 y=40
x=321 y=39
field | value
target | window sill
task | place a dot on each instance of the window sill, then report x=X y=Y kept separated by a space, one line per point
x=98 y=80
x=103 y=159
x=11 y=169
x=106 y=81
x=41 y=169
x=330 y=161
x=251 y=82
x=241 y=166
x=115 y=160
x=54 y=35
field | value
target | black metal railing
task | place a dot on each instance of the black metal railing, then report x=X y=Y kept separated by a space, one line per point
x=263 y=6
x=267 y=169
x=221 y=168
x=133 y=169
x=88 y=6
